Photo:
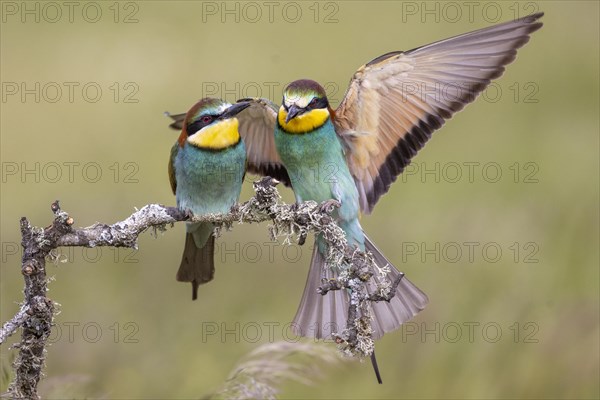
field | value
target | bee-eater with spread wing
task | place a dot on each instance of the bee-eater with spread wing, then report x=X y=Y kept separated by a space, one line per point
x=206 y=170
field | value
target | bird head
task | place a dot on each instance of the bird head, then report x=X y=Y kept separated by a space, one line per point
x=304 y=108
x=211 y=124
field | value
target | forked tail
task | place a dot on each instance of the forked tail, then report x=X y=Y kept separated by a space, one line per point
x=408 y=301
x=197 y=264
x=319 y=316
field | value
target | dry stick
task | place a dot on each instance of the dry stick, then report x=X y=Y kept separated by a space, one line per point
x=36 y=314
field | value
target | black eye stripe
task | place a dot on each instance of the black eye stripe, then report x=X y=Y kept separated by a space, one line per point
x=315 y=103
x=319 y=103
x=199 y=124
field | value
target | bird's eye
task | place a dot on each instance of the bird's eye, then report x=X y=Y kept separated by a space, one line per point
x=200 y=123
x=313 y=101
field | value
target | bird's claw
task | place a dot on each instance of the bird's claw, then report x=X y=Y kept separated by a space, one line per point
x=329 y=205
x=188 y=214
x=267 y=181
x=302 y=239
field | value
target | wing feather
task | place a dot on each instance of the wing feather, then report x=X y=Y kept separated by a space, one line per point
x=395 y=102
x=257 y=128
x=177 y=120
x=172 y=178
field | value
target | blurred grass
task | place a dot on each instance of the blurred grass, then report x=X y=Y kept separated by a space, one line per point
x=169 y=54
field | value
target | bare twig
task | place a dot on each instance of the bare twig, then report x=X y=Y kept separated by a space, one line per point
x=37 y=311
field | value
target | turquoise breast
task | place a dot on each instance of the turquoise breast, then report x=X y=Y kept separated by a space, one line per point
x=209 y=181
x=318 y=171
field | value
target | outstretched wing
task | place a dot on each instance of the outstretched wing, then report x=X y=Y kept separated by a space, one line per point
x=395 y=102
x=257 y=129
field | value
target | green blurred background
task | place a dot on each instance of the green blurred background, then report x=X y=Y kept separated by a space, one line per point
x=520 y=324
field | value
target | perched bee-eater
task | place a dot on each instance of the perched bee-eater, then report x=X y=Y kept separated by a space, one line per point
x=206 y=170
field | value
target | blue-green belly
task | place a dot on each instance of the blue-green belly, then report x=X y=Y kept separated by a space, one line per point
x=208 y=182
x=318 y=171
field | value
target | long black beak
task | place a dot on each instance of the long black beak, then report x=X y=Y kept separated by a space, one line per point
x=234 y=110
x=293 y=112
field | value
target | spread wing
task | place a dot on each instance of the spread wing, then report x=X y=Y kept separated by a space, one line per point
x=395 y=102
x=257 y=127
x=172 y=178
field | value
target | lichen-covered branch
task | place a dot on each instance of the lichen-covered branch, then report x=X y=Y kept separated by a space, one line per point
x=14 y=323
x=288 y=221
x=356 y=339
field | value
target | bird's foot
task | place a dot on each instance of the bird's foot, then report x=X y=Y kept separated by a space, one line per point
x=329 y=205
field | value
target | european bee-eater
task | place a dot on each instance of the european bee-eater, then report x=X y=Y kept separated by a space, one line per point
x=354 y=153
x=206 y=170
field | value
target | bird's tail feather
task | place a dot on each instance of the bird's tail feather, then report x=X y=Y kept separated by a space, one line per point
x=407 y=302
x=319 y=316
x=197 y=263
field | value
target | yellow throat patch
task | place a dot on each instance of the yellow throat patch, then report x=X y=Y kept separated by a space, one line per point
x=304 y=123
x=217 y=136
